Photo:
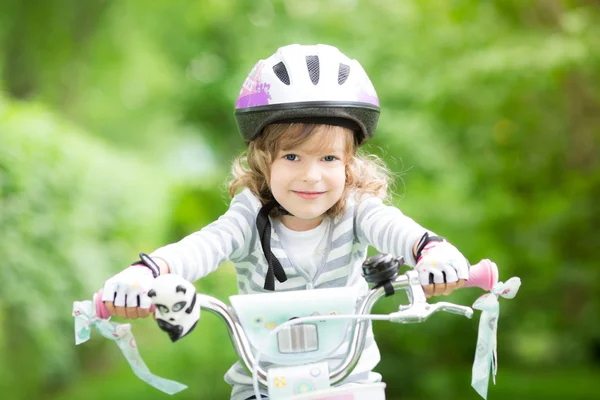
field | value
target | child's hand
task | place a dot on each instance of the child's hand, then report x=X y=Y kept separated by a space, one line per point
x=442 y=268
x=125 y=294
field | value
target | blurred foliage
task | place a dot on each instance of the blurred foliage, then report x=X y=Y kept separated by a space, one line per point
x=490 y=117
x=69 y=218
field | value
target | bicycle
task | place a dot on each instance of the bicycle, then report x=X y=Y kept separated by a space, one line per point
x=307 y=332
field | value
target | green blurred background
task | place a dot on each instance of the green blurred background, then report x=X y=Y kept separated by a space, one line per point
x=117 y=133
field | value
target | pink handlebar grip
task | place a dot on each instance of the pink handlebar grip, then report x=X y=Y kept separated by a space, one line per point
x=483 y=275
x=101 y=310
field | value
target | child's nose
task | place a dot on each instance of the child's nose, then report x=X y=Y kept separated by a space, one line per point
x=312 y=173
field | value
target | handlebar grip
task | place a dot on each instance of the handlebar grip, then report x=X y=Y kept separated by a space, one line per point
x=101 y=310
x=483 y=275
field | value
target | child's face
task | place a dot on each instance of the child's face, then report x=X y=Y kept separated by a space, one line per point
x=309 y=179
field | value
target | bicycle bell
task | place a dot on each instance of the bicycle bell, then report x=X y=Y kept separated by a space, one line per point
x=381 y=270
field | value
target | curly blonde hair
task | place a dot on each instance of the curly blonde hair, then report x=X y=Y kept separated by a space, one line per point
x=365 y=173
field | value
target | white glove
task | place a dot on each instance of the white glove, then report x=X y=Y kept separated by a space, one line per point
x=127 y=286
x=438 y=259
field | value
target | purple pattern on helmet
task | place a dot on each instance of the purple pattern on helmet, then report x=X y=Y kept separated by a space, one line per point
x=254 y=92
x=260 y=97
x=368 y=98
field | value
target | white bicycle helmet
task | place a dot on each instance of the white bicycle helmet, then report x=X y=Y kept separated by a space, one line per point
x=307 y=84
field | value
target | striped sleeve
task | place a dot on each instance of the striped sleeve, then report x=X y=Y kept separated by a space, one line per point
x=387 y=229
x=228 y=238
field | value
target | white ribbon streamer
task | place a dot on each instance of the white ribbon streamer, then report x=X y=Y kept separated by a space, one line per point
x=486 y=357
x=86 y=318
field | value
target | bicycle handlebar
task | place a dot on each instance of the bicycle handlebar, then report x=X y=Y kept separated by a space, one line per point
x=483 y=275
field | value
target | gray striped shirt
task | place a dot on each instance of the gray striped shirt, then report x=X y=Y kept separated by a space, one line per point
x=234 y=237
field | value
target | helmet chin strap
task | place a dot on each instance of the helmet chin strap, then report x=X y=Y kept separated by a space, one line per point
x=283 y=211
x=263 y=224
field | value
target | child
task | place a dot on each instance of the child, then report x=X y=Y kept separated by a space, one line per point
x=308 y=204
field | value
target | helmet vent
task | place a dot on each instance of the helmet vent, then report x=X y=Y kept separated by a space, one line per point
x=312 y=63
x=281 y=72
x=343 y=73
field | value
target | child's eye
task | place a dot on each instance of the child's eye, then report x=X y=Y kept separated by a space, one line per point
x=330 y=158
x=290 y=157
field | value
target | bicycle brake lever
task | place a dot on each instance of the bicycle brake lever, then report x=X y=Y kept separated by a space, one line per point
x=412 y=314
x=421 y=311
x=454 y=309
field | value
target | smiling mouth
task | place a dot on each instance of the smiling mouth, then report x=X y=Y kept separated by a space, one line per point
x=308 y=195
